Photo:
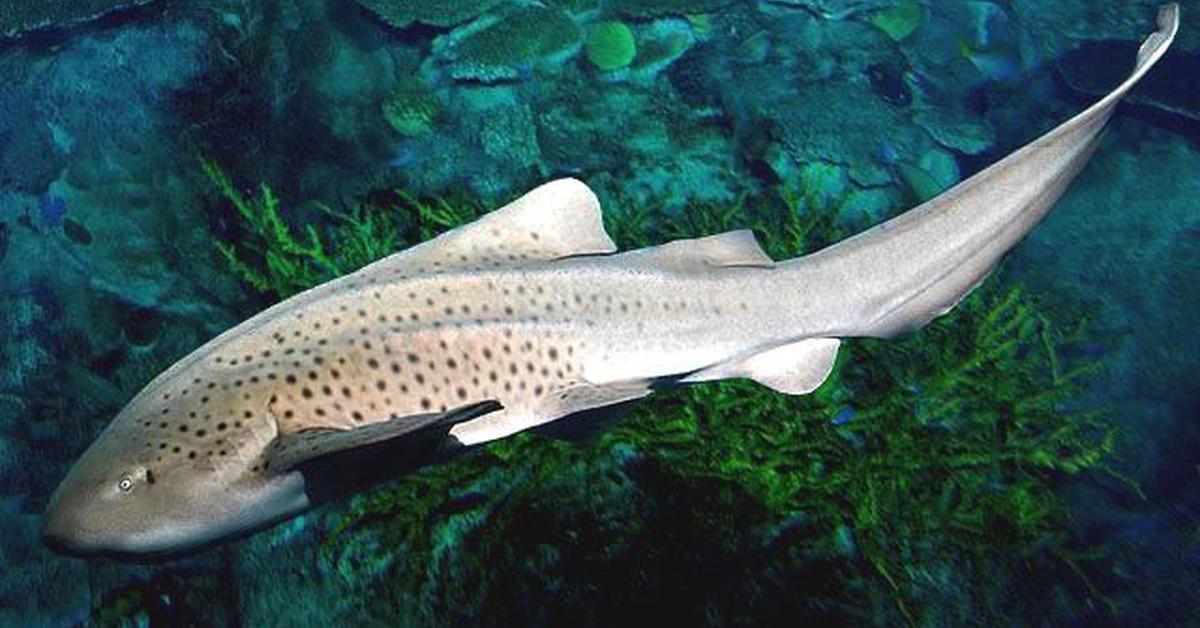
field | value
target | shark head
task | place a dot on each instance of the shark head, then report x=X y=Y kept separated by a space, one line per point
x=163 y=479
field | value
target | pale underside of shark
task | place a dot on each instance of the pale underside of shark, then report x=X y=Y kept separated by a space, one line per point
x=518 y=319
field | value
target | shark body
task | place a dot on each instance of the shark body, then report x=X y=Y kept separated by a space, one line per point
x=518 y=319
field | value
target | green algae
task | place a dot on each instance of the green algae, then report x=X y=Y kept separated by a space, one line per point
x=935 y=454
x=279 y=260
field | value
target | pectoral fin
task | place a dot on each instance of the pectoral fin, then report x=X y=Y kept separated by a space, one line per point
x=287 y=452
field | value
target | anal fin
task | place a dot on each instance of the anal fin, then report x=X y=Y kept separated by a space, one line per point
x=797 y=368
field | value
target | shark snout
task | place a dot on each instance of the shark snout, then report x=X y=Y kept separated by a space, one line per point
x=64 y=530
x=73 y=523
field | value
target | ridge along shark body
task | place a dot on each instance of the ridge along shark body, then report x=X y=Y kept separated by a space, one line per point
x=518 y=319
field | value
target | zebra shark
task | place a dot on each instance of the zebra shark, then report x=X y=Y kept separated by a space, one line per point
x=521 y=318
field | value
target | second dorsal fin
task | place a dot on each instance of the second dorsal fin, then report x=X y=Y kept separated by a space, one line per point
x=732 y=248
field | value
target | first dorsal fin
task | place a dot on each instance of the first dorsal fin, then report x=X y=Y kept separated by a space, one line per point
x=555 y=220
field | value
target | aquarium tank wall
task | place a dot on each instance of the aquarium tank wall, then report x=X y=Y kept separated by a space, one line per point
x=169 y=168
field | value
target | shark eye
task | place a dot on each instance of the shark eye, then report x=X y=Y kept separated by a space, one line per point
x=125 y=484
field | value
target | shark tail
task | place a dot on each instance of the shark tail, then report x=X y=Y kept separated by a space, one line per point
x=907 y=271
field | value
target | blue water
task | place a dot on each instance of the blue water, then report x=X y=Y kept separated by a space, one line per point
x=110 y=271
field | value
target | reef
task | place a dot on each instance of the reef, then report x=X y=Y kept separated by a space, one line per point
x=22 y=16
x=402 y=13
x=958 y=476
x=501 y=47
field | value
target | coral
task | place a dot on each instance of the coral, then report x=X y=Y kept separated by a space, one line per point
x=35 y=591
x=656 y=8
x=954 y=127
x=663 y=42
x=826 y=130
x=899 y=21
x=411 y=107
x=508 y=134
x=700 y=170
x=502 y=47
x=610 y=46
x=196 y=597
x=21 y=16
x=444 y=13
x=936 y=452
x=29 y=160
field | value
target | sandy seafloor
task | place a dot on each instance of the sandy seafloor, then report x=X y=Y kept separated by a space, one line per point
x=109 y=272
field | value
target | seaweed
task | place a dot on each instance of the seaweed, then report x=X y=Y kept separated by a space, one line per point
x=279 y=260
x=938 y=453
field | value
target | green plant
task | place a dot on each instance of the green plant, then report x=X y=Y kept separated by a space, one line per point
x=280 y=261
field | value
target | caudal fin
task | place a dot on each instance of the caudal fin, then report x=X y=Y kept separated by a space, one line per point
x=902 y=273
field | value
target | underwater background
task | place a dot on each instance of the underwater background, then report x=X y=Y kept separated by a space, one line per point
x=170 y=167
